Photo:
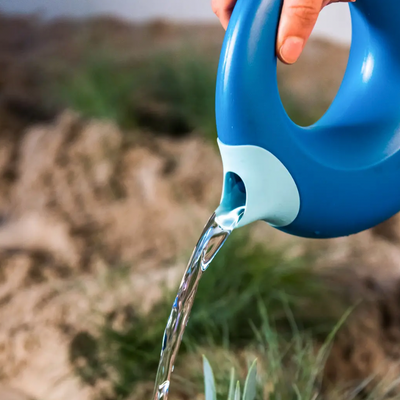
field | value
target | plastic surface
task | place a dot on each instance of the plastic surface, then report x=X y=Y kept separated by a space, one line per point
x=347 y=165
x=281 y=201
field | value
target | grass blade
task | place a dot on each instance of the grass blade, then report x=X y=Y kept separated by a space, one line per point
x=232 y=385
x=237 y=391
x=209 y=382
x=250 y=386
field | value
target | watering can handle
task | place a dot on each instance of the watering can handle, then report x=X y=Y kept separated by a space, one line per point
x=336 y=177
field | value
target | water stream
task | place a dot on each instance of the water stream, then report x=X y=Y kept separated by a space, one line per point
x=214 y=235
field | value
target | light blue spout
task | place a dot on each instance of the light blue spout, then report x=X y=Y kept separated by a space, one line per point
x=268 y=190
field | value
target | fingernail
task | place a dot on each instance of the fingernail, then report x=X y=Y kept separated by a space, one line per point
x=291 y=49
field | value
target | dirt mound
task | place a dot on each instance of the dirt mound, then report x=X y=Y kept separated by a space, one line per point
x=78 y=178
x=88 y=199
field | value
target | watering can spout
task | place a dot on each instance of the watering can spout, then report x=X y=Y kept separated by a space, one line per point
x=262 y=185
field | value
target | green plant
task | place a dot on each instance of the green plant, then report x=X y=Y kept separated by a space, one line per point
x=250 y=386
x=170 y=93
x=292 y=368
x=185 y=85
x=226 y=311
x=100 y=88
x=244 y=273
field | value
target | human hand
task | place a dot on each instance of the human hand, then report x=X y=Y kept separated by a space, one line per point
x=296 y=24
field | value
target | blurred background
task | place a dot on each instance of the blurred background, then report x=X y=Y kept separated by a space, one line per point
x=109 y=170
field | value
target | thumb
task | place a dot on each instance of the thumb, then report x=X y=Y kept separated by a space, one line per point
x=296 y=24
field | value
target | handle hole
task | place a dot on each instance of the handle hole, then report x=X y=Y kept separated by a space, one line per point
x=308 y=87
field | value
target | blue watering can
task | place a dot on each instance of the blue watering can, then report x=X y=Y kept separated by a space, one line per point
x=337 y=177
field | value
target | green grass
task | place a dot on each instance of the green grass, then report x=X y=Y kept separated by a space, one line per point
x=226 y=311
x=184 y=84
x=168 y=93
x=288 y=367
x=100 y=88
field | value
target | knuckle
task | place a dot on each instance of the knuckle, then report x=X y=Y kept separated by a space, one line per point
x=306 y=12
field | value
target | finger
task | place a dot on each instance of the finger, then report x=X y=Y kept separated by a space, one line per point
x=297 y=21
x=223 y=10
